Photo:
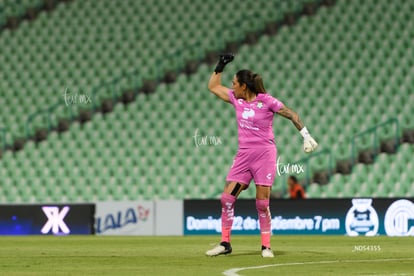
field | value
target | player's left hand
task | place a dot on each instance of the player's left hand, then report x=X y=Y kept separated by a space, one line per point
x=309 y=144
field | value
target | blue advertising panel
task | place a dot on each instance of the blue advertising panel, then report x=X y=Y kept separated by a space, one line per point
x=353 y=217
x=47 y=219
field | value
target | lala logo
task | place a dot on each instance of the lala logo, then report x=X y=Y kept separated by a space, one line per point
x=260 y=104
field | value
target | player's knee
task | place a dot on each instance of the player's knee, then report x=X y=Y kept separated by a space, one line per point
x=262 y=204
x=223 y=199
x=227 y=199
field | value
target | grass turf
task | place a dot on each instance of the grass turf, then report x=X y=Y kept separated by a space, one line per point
x=295 y=255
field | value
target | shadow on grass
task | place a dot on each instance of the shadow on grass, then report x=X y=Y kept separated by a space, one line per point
x=254 y=253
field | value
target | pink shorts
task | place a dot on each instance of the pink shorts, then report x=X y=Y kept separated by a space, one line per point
x=259 y=164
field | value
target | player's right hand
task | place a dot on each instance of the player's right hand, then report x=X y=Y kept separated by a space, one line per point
x=224 y=59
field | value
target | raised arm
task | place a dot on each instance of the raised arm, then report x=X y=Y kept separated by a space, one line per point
x=214 y=85
x=309 y=144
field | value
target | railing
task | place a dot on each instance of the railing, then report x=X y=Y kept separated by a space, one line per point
x=48 y=113
x=374 y=132
x=307 y=160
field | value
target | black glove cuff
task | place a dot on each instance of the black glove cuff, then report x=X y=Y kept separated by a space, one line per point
x=219 y=67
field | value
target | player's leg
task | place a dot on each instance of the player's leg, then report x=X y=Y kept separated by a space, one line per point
x=237 y=179
x=231 y=191
x=263 y=170
x=265 y=219
x=228 y=198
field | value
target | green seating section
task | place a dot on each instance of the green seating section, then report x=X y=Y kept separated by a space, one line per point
x=343 y=70
x=86 y=43
x=390 y=175
x=16 y=8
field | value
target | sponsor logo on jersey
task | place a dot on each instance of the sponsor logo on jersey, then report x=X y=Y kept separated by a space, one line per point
x=247 y=113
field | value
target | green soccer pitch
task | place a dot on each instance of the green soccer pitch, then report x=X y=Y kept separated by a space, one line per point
x=295 y=255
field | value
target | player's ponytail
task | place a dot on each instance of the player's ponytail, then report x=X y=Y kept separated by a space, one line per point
x=258 y=83
x=254 y=82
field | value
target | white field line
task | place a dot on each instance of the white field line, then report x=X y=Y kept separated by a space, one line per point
x=233 y=271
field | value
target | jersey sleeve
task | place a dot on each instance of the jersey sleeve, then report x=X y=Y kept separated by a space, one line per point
x=274 y=104
x=232 y=98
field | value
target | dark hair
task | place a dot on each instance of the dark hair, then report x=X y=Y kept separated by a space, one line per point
x=254 y=82
x=293 y=178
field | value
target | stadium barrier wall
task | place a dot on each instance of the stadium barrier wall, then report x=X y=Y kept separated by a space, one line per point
x=352 y=217
x=52 y=219
x=169 y=217
x=141 y=218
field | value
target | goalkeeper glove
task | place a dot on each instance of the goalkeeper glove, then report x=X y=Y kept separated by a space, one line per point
x=309 y=144
x=223 y=61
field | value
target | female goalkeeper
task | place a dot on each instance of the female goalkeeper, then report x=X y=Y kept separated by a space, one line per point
x=256 y=155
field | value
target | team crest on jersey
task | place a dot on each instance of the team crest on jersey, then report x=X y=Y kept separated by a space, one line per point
x=260 y=104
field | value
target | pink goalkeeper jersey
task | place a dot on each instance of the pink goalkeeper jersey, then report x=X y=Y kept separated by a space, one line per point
x=255 y=120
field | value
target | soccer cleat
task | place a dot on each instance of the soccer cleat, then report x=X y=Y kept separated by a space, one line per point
x=267 y=252
x=223 y=248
